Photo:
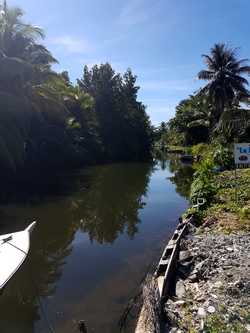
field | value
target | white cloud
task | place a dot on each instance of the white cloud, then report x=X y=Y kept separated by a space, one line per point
x=134 y=12
x=71 y=44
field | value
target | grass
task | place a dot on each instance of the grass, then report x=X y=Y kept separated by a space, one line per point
x=218 y=324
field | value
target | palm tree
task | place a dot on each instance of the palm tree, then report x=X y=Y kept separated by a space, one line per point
x=22 y=59
x=227 y=84
x=25 y=88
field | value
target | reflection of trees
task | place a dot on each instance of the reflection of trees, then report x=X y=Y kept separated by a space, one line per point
x=112 y=203
x=51 y=244
x=183 y=175
x=108 y=207
x=163 y=163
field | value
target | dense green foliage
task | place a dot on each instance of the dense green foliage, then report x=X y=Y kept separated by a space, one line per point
x=48 y=123
x=229 y=203
x=192 y=120
x=202 y=186
x=225 y=191
x=123 y=125
x=210 y=160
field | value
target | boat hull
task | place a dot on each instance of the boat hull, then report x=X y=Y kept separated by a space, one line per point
x=14 y=249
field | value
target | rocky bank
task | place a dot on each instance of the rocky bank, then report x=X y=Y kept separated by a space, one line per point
x=212 y=289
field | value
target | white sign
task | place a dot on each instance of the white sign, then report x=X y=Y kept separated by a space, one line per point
x=242 y=153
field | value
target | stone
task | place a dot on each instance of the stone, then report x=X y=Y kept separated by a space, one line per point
x=172 y=317
x=196 y=287
x=199 y=298
x=185 y=256
x=239 y=284
x=201 y=325
x=180 y=302
x=248 y=327
x=180 y=290
x=229 y=249
x=211 y=309
x=184 y=271
x=193 y=277
x=173 y=330
x=201 y=312
x=218 y=284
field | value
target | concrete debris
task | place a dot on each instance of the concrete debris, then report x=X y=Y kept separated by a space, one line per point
x=185 y=256
x=201 y=312
x=211 y=309
x=180 y=290
x=213 y=284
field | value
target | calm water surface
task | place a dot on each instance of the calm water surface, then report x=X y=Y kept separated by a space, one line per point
x=94 y=242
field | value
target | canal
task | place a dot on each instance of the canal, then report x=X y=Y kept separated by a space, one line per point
x=95 y=239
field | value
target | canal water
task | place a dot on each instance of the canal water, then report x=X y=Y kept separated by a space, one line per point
x=95 y=239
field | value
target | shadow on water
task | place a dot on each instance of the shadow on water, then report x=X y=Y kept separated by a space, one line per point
x=91 y=247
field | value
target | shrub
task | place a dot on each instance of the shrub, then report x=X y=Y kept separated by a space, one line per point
x=223 y=157
x=245 y=213
x=196 y=213
x=202 y=186
x=198 y=151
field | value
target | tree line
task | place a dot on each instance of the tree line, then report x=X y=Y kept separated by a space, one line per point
x=219 y=110
x=48 y=123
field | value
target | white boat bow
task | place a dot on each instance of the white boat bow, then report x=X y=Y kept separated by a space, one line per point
x=14 y=249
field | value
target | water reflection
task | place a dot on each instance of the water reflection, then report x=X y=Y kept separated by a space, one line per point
x=20 y=306
x=182 y=175
x=108 y=207
x=111 y=205
x=84 y=263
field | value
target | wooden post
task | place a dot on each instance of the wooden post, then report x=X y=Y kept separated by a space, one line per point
x=82 y=326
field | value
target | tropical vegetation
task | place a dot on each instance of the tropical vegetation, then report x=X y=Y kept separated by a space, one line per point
x=48 y=123
x=206 y=125
x=219 y=110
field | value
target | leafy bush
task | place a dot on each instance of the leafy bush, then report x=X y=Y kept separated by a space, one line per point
x=245 y=213
x=196 y=213
x=223 y=157
x=202 y=186
x=198 y=151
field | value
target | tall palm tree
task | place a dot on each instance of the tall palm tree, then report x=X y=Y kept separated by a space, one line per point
x=25 y=91
x=227 y=84
x=22 y=58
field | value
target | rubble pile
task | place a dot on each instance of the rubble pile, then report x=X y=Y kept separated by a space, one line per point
x=212 y=290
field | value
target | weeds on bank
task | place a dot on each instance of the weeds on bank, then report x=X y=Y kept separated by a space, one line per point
x=217 y=324
x=227 y=198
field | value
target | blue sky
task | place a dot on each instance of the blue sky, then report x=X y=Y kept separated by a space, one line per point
x=160 y=40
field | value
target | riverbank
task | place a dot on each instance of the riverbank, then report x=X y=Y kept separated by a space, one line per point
x=210 y=292
x=212 y=286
